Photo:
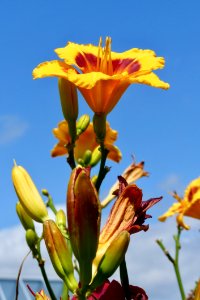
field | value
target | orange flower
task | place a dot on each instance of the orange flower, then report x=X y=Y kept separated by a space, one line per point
x=86 y=141
x=103 y=76
x=189 y=205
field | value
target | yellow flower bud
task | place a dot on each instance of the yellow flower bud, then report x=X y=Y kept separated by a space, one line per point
x=111 y=259
x=25 y=219
x=59 y=254
x=28 y=194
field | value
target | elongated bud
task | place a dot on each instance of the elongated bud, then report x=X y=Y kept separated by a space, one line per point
x=25 y=220
x=69 y=103
x=83 y=215
x=69 y=99
x=96 y=156
x=28 y=194
x=111 y=259
x=31 y=239
x=61 y=218
x=82 y=124
x=59 y=254
x=99 y=123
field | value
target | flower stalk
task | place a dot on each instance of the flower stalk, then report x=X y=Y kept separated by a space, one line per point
x=175 y=260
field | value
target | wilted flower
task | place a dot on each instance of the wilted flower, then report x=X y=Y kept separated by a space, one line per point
x=86 y=141
x=128 y=213
x=188 y=206
x=114 y=291
x=130 y=174
x=103 y=76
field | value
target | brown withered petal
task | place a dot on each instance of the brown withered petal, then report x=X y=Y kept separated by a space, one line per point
x=130 y=174
x=128 y=213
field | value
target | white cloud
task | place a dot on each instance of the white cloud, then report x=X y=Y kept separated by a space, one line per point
x=147 y=265
x=11 y=128
x=171 y=183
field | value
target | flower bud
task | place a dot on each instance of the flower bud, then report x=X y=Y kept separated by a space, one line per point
x=87 y=157
x=26 y=221
x=31 y=239
x=96 y=156
x=61 y=218
x=111 y=259
x=69 y=99
x=83 y=215
x=28 y=194
x=82 y=124
x=59 y=254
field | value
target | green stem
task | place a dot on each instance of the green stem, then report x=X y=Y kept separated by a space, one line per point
x=51 y=205
x=175 y=261
x=46 y=280
x=124 y=279
x=102 y=170
x=70 y=158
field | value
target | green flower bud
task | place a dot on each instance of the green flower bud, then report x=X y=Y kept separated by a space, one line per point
x=28 y=194
x=69 y=99
x=25 y=220
x=111 y=259
x=69 y=103
x=31 y=239
x=82 y=124
x=83 y=215
x=59 y=254
x=45 y=192
x=96 y=156
x=87 y=157
x=61 y=218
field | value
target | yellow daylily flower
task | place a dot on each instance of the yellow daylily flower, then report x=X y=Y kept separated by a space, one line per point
x=102 y=76
x=188 y=206
x=86 y=141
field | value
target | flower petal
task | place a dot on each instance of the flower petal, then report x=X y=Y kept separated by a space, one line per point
x=174 y=209
x=150 y=79
x=82 y=56
x=181 y=223
x=52 y=68
x=114 y=153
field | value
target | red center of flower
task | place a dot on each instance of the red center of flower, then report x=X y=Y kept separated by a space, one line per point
x=103 y=62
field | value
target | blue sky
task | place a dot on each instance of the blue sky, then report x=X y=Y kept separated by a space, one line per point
x=159 y=127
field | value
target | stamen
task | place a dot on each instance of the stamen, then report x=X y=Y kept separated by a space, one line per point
x=110 y=66
x=106 y=61
x=99 y=56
